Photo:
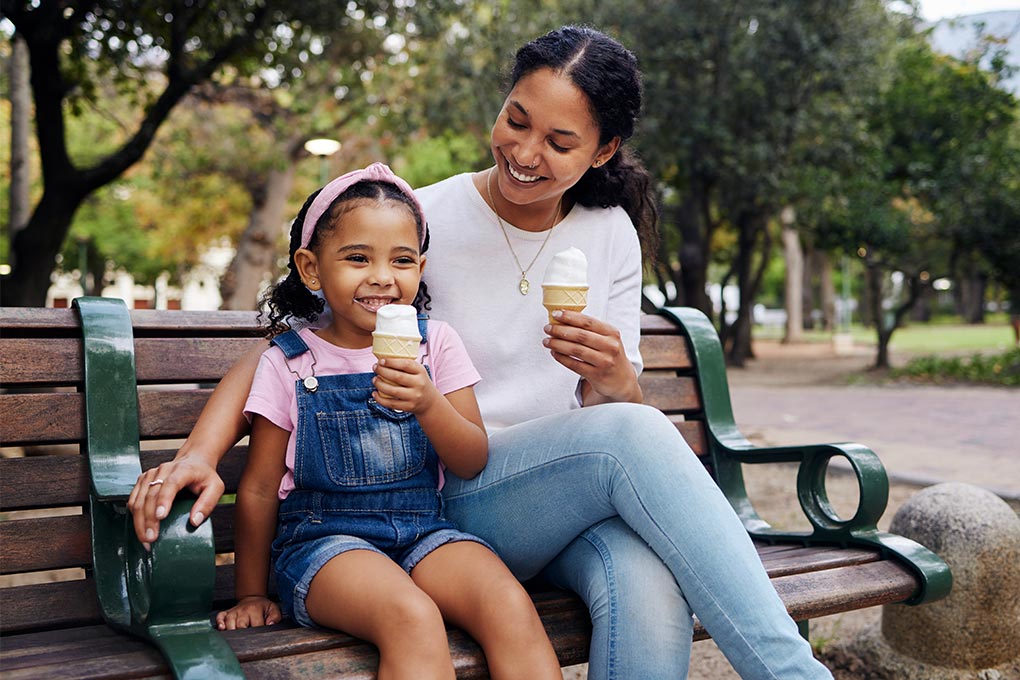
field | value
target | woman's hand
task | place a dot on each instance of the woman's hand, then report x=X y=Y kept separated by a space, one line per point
x=249 y=612
x=594 y=350
x=404 y=385
x=157 y=487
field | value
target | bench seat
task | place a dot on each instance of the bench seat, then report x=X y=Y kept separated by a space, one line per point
x=52 y=620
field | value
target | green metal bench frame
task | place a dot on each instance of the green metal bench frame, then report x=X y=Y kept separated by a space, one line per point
x=730 y=450
x=164 y=596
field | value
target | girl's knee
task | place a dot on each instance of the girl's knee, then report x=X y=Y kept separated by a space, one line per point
x=414 y=613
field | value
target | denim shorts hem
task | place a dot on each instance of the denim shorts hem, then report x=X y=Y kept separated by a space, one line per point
x=323 y=550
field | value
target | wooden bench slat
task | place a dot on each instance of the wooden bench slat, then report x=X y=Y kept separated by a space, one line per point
x=61 y=604
x=665 y=351
x=35 y=482
x=804 y=560
x=44 y=361
x=58 y=361
x=670 y=394
x=54 y=418
x=831 y=591
x=55 y=322
x=45 y=543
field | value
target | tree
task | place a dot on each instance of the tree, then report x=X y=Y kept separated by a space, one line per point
x=731 y=86
x=155 y=53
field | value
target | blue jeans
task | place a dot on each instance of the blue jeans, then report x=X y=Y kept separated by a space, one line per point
x=611 y=502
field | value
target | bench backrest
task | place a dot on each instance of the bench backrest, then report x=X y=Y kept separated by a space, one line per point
x=180 y=356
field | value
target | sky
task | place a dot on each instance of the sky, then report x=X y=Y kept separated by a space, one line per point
x=933 y=10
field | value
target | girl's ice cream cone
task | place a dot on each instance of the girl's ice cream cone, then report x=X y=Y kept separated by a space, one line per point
x=396 y=332
x=565 y=286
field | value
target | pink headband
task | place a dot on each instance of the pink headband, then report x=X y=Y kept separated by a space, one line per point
x=376 y=172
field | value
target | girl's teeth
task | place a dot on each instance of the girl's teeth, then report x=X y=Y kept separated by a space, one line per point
x=519 y=177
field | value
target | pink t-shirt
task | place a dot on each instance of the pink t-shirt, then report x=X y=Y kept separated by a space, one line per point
x=272 y=391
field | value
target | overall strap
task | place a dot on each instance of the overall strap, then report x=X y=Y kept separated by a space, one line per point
x=291 y=343
x=423 y=326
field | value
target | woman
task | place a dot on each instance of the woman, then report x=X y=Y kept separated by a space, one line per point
x=583 y=484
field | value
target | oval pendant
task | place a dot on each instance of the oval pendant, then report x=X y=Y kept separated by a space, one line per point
x=311 y=383
x=524 y=286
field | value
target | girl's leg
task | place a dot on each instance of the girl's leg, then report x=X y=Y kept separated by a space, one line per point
x=369 y=596
x=549 y=479
x=475 y=590
x=641 y=624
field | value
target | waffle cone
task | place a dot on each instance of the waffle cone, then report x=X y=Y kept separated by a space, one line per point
x=395 y=346
x=566 y=298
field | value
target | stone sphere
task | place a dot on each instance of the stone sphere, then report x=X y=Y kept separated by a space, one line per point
x=978 y=535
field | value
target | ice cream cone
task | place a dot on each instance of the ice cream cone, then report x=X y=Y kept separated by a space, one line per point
x=568 y=298
x=386 y=346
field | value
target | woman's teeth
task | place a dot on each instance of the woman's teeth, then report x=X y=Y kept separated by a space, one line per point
x=519 y=177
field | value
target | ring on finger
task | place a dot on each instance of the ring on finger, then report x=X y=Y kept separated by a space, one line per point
x=155 y=482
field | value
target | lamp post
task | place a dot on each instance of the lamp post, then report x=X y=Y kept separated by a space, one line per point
x=323 y=148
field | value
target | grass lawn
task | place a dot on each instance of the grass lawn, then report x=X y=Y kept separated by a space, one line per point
x=946 y=336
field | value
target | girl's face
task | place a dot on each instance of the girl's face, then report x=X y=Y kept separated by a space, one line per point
x=369 y=260
x=545 y=123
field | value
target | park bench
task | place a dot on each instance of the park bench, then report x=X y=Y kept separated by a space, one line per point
x=75 y=581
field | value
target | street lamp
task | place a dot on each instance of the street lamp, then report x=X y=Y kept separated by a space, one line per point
x=323 y=148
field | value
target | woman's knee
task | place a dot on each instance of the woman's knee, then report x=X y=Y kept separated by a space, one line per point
x=636 y=434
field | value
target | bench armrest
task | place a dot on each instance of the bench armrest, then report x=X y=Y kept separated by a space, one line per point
x=730 y=450
x=163 y=595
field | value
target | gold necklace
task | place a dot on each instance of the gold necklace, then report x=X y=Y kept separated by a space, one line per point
x=523 y=285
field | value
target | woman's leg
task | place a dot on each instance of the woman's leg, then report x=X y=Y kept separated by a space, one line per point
x=549 y=479
x=641 y=624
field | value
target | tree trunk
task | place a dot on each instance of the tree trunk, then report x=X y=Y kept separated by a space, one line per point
x=874 y=276
x=794 y=282
x=971 y=294
x=694 y=251
x=827 y=288
x=257 y=249
x=37 y=246
x=749 y=281
x=21 y=116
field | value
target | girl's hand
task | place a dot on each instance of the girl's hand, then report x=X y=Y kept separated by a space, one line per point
x=594 y=350
x=250 y=612
x=404 y=385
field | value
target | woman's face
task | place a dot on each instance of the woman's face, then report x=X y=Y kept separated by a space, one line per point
x=545 y=139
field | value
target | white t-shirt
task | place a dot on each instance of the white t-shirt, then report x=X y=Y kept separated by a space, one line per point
x=472 y=278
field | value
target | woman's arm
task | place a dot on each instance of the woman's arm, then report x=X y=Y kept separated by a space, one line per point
x=452 y=422
x=257 y=506
x=220 y=426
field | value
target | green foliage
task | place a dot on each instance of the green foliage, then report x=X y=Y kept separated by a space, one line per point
x=991 y=369
x=430 y=159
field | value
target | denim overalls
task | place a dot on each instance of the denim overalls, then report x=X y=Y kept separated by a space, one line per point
x=365 y=476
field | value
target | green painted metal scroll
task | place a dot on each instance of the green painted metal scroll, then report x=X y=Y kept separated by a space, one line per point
x=164 y=595
x=730 y=450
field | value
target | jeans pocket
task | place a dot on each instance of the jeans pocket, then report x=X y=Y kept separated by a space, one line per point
x=367 y=447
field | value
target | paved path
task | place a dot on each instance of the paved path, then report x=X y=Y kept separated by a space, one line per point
x=923 y=434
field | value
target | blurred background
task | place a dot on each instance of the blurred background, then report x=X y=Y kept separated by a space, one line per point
x=827 y=170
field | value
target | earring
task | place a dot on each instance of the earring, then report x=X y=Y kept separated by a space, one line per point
x=597 y=164
x=312 y=282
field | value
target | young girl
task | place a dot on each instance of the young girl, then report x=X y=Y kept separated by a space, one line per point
x=344 y=467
